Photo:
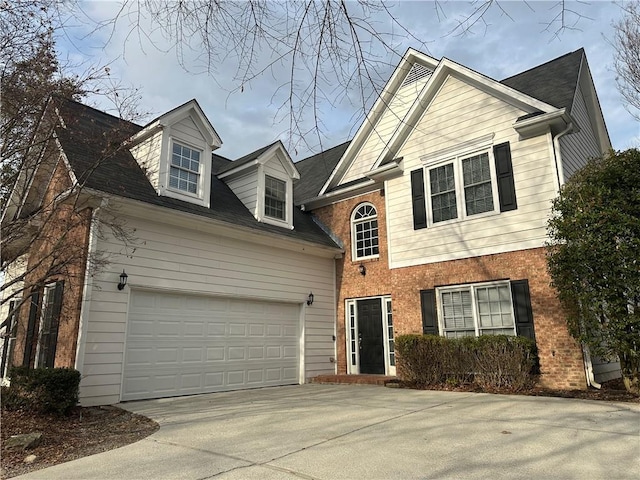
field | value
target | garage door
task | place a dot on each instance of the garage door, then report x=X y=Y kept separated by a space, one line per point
x=186 y=344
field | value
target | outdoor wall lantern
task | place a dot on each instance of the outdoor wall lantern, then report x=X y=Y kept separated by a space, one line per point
x=310 y=299
x=123 y=280
x=362 y=269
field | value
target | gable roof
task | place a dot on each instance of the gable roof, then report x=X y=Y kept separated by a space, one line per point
x=260 y=156
x=314 y=172
x=554 y=82
x=119 y=174
x=547 y=89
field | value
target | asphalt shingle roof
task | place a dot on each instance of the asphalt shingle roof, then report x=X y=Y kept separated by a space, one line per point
x=91 y=135
x=315 y=171
x=554 y=82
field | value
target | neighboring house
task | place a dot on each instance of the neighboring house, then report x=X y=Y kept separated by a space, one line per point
x=441 y=202
x=260 y=272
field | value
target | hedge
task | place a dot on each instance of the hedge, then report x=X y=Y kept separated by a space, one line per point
x=43 y=390
x=489 y=361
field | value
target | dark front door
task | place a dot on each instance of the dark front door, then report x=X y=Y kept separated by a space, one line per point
x=370 y=336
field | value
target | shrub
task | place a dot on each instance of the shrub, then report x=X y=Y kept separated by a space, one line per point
x=490 y=362
x=43 y=390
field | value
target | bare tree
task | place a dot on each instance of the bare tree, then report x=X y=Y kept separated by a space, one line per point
x=627 y=60
x=332 y=50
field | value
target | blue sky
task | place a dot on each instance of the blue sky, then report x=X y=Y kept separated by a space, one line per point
x=510 y=40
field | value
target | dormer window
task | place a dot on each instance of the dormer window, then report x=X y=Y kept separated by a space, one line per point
x=184 y=173
x=275 y=198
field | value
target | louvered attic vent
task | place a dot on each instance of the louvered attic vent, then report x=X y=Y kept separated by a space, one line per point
x=417 y=72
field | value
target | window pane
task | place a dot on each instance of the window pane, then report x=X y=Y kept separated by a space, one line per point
x=494 y=308
x=365 y=231
x=477 y=184
x=443 y=193
x=185 y=168
x=457 y=311
x=275 y=197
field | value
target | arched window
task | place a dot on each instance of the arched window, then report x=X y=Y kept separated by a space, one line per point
x=364 y=231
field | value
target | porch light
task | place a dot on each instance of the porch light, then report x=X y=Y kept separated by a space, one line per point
x=362 y=269
x=310 y=298
x=123 y=280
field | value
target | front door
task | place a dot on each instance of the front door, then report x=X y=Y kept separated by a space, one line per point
x=370 y=336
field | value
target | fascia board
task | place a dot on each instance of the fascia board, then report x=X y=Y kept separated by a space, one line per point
x=410 y=57
x=136 y=208
x=339 y=195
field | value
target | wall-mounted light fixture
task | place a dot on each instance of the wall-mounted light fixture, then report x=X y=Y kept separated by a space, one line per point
x=310 y=299
x=362 y=269
x=123 y=280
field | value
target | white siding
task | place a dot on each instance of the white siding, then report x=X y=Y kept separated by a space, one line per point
x=457 y=114
x=186 y=130
x=14 y=270
x=579 y=147
x=604 y=370
x=246 y=189
x=180 y=260
x=382 y=132
x=147 y=154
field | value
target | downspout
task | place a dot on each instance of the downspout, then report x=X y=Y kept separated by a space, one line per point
x=87 y=288
x=558 y=156
x=588 y=368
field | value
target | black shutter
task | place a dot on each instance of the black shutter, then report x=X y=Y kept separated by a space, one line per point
x=52 y=340
x=34 y=311
x=522 y=308
x=504 y=174
x=429 y=318
x=418 y=200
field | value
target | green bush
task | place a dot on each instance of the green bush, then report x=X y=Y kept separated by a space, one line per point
x=43 y=390
x=489 y=362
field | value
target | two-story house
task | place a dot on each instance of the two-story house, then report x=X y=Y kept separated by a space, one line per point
x=441 y=202
x=186 y=272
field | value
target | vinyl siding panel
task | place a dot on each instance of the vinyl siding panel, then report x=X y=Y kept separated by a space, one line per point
x=174 y=259
x=186 y=130
x=147 y=154
x=246 y=189
x=604 y=370
x=457 y=114
x=382 y=132
x=578 y=148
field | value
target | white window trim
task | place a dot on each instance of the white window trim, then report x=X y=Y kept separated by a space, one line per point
x=462 y=216
x=201 y=170
x=261 y=204
x=352 y=338
x=472 y=287
x=284 y=220
x=353 y=221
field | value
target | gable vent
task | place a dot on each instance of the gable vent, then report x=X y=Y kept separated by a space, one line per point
x=417 y=72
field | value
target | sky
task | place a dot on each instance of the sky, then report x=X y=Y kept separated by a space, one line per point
x=510 y=38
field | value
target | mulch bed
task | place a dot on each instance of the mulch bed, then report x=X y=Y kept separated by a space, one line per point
x=85 y=431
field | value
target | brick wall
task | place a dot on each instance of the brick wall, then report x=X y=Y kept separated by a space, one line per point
x=59 y=252
x=561 y=358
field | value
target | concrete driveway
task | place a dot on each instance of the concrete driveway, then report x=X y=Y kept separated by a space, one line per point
x=370 y=432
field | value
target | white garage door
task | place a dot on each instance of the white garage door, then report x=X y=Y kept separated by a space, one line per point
x=186 y=344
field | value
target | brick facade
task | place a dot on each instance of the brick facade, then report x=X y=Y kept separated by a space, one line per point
x=58 y=253
x=561 y=359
